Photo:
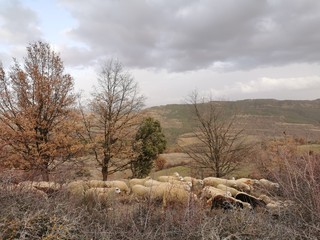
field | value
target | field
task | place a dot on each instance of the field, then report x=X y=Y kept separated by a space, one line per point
x=286 y=134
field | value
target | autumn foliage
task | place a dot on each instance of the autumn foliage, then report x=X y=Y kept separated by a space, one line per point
x=37 y=112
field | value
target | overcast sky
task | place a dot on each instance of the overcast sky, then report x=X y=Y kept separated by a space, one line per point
x=230 y=49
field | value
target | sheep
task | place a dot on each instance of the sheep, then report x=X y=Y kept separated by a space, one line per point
x=151 y=193
x=96 y=183
x=186 y=185
x=189 y=179
x=266 y=199
x=247 y=181
x=120 y=184
x=154 y=183
x=243 y=187
x=47 y=187
x=169 y=178
x=226 y=203
x=178 y=196
x=225 y=188
x=253 y=201
x=154 y=193
x=151 y=183
x=26 y=187
x=268 y=184
x=197 y=184
x=278 y=207
x=245 y=184
x=210 y=192
x=214 y=181
x=176 y=174
x=140 y=181
x=165 y=192
x=77 y=189
x=140 y=191
x=101 y=195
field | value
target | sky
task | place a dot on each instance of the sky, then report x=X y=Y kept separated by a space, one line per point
x=228 y=50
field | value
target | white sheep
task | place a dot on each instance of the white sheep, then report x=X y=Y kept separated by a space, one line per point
x=177 y=196
x=269 y=185
x=225 y=188
x=181 y=184
x=48 y=187
x=266 y=199
x=175 y=183
x=140 y=181
x=96 y=183
x=176 y=174
x=77 y=188
x=140 y=191
x=151 y=183
x=26 y=187
x=194 y=181
x=169 y=178
x=118 y=183
x=196 y=184
x=243 y=187
x=248 y=181
x=210 y=192
x=214 y=181
x=101 y=195
x=153 y=193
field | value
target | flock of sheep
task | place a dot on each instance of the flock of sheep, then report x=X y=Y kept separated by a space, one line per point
x=173 y=190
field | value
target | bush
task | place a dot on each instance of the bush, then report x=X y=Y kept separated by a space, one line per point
x=300 y=182
x=24 y=215
x=159 y=163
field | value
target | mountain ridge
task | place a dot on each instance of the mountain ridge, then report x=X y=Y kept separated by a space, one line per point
x=262 y=117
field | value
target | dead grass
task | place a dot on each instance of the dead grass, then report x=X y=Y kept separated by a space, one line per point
x=28 y=217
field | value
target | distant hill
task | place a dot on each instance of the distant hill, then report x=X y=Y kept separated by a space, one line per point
x=260 y=117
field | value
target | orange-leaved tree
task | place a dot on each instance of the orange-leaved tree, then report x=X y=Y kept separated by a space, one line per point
x=37 y=112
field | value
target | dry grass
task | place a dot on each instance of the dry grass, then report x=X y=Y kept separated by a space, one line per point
x=27 y=216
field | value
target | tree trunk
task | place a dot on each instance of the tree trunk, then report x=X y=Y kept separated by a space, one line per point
x=45 y=175
x=104 y=171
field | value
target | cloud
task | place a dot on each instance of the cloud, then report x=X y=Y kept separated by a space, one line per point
x=271 y=87
x=186 y=35
x=279 y=84
x=18 y=24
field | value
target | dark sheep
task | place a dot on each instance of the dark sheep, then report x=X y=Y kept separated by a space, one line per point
x=226 y=203
x=253 y=201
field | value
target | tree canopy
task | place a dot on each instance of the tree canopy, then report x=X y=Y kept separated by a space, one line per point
x=149 y=143
x=114 y=115
x=219 y=146
x=37 y=111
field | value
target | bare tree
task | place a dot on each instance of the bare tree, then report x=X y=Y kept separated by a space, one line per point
x=219 y=147
x=36 y=111
x=113 y=117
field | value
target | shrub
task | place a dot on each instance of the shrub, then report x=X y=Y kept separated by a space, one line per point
x=159 y=163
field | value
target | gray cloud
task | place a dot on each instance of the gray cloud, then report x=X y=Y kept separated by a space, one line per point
x=185 y=35
x=18 y=24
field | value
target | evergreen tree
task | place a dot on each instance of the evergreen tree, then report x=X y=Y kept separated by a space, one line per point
x=150 y=142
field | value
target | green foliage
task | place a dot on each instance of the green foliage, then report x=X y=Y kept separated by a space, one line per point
x=150 y=142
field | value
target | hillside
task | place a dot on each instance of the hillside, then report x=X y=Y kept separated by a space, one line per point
x=260 y=117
